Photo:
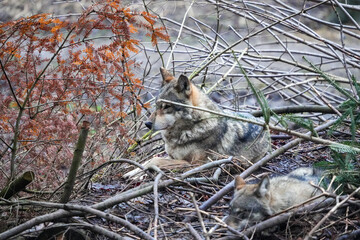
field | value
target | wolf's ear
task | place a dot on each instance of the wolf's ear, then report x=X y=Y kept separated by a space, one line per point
x=239 y=183
x=166 y=75
x=263 y=187
x=183 y=85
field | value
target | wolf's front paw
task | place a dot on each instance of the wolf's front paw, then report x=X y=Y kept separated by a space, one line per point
x=138 y=172
x=133 y=174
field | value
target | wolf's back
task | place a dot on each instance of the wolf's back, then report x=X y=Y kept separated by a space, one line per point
x=245 y=140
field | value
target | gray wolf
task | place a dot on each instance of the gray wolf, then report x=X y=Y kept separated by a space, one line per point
x=254 y=202
x=190 y=134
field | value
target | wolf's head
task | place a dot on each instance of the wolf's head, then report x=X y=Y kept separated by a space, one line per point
x=179 y=90
x=251 y=203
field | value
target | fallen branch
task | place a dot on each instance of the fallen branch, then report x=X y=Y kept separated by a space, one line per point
x=75 y=164
x=102 y=231
x=297 y=109
x=199 y=216
x=156 y=202
x=17 y=185
x=193 y=232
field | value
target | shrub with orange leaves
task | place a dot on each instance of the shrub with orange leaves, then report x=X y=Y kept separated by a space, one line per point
x=54 y=73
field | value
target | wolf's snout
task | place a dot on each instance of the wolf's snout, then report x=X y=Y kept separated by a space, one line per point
x=148 y=125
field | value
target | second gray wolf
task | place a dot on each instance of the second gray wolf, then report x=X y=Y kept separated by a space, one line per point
x=254 y=202
x=190 y=135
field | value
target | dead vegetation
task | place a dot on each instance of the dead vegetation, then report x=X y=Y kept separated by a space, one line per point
x=304 y=58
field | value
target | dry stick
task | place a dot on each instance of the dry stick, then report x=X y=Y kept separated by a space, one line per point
x=336 y=27
x=156 y=202
x=297 y=109
x=295 y=39
x=91 y=227
x=225 y=190
x=101 y=230
x=122 y=197
x=80 y=147
x=308 y=236
x=163 y=230
x=193 y=232
x=199 y=215
x=219 y=221
x=180 y=31
x=339 y=220
x=325 y=101
x=276 y=82
x=227 y=73
x=301 y=66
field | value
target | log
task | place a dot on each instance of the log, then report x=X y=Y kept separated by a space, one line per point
x=17 y=185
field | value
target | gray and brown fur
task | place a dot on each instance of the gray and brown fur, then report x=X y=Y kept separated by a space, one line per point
x=254 y=202
x=189 y=134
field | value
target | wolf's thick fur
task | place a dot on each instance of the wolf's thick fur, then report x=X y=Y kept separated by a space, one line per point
x=189 y=134
x=254 y=202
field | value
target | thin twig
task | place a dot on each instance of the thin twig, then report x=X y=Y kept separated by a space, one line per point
x=179 y=34
x=199 y=215
x=332 y=211
x=193 y=232
x=156 y=203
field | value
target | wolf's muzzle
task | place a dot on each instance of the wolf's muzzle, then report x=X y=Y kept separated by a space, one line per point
x=148 y=125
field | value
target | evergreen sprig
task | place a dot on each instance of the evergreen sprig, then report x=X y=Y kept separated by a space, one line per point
x=266 y=111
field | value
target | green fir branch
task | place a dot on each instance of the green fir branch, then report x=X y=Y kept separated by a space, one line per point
x=258 y=95
x=302 y=122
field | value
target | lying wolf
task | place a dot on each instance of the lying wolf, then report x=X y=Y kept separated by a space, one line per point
x=254 y=202
x=190 y=134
